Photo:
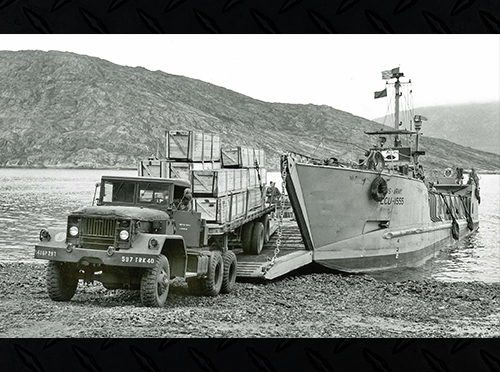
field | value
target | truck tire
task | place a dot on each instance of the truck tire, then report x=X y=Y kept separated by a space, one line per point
x=229 y=276
x=246 y=237
x=257 y=238
x=155 y=283
x=267 y=228
x=212 y=283
x=61 y=280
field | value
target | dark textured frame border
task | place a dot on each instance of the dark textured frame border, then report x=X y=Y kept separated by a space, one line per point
x=246 y=16
x=250 y=16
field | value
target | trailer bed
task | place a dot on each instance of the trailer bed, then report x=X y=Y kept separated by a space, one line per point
x=292 y=255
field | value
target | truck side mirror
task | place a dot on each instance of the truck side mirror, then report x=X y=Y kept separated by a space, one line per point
x=98 y=184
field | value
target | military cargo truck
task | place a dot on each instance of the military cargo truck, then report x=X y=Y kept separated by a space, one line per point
x=141 y=233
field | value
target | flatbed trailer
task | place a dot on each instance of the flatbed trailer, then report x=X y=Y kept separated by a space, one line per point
x=292 y=254
x=219 y=229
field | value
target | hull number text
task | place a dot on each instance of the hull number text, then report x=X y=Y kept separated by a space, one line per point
x=393 y=201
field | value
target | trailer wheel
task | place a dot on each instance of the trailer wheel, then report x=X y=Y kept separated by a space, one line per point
x=229 y=277
x=257 y=238
x=61 y=280
x=246 y=237
x=212 y=283
x=267 y=228
x=155 y=283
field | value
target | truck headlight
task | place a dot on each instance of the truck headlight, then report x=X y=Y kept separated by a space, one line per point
x=73 y=231
x=124 y=235
x=44 y=235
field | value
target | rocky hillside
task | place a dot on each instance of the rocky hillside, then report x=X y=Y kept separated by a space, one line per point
x=60 y=109
x=475 y=125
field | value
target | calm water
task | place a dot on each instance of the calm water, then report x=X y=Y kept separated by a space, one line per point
x=31 y=199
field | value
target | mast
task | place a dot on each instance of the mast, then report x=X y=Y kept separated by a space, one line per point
x=397 y=84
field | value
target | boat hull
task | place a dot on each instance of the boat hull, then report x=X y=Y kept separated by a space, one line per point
x=348 y=230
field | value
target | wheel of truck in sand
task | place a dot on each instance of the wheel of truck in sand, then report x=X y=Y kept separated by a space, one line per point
x=229 y=275
x=257 y=238
x=155 y=283
x=246 y=237
x=267 y=228
x=212 y=283
x=61 y=280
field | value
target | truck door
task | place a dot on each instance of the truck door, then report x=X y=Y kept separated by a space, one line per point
x=188 y=225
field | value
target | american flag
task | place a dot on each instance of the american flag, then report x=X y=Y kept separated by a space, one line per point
x=388 y=74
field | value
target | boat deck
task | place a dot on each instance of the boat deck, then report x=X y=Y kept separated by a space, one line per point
x=292 y=255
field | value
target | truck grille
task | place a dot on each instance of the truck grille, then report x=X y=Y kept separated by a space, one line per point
x=97 y=233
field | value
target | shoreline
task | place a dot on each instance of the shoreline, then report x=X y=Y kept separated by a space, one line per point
x=130 y=168
x=314 y=304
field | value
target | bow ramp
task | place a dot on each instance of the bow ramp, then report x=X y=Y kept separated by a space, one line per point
x=292 y=255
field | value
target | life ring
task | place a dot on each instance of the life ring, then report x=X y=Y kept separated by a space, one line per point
x=455 y=230
x=378 y=189
x=448 y=172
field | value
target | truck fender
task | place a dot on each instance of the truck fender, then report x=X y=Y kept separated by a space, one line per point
x=57 y=238
x=172 y=246
x=175 y=250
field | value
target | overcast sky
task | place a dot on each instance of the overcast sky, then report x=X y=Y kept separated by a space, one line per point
x=341 y=71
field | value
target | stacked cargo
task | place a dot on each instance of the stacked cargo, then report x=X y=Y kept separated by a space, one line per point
x=226 y=184
x=242 y=157
x=185 y=151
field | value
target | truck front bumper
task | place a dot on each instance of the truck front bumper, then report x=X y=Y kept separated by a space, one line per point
x=68 y=253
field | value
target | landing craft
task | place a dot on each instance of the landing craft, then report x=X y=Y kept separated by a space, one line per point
x=381 y=212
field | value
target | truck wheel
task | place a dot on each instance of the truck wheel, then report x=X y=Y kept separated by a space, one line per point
x=257 y=238
x=211 y=285
x=246 y=237
x=61 y=280
x=229 y=277
x=155 y=282
x=267 y=228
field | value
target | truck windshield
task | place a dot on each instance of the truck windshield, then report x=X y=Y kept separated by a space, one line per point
x=118 y=191
x=152 y=193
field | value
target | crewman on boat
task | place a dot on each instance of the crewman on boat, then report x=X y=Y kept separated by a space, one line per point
x=272 y=193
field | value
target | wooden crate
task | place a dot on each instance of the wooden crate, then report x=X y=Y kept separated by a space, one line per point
x=245 y=178
x=254 y=198
x=213 y=209
x=182 y=169
x=263 y=176
x=209 y=182
x=223 y=206
x=192 y=146
x=238 y=205
x=238 y=182
x=242 y=157
x=253 y=178
x=153 y=168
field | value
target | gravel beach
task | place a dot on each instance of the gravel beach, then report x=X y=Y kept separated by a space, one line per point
x=314 y=304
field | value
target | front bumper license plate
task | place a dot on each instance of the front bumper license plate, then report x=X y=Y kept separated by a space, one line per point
x=81 y=254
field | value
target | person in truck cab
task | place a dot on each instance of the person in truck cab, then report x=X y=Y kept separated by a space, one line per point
x=185 y=203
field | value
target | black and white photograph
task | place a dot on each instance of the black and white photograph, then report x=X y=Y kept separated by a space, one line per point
x=250 y=186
